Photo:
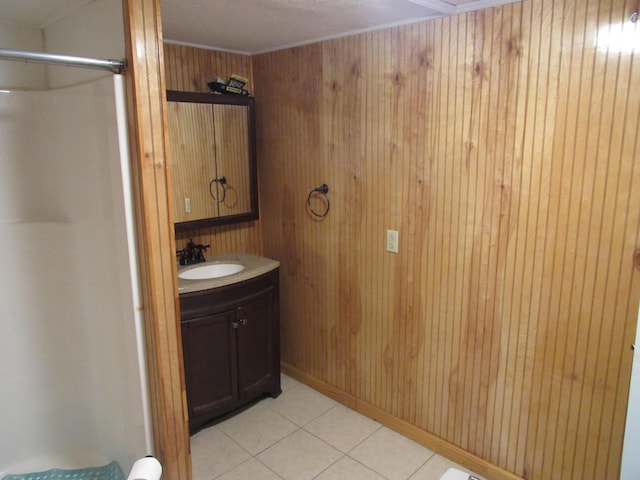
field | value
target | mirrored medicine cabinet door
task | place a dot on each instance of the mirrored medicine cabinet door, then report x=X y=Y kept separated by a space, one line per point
x=213 y=159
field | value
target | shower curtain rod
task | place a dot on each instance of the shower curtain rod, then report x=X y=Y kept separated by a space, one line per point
x=114 y=66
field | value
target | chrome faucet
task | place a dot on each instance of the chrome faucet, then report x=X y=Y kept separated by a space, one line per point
x=192 y=253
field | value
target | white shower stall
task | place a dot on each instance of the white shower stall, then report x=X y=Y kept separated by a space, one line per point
x=69 y=354
x=71 y=346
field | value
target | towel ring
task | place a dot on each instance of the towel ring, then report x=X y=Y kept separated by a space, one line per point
x=323 y=190
x=222 y=181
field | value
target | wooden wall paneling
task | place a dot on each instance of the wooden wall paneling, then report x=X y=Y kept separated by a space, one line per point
x=467 y=104
x=513 y=437
x=355 y=69
x=539 y=406
x=431 y=418
x=385 y=156
x=243 y=237
x=565 y=225
x=377 y=191
x=454 y=99
x=617 y=99
x=629 y=150
x=629 y=173
x=500 y=144
x=506 y=436
x=368 y=355
x=193 y=159
x=570 y=302
x=145 y=94
x=446 y=400
x=476 y=334
x=330 y=110
x=561 y=228
x=414 y=226
x=407 y=323
x=446 y=180
x=472 y=254
x=316 y=232
x=284 y=190
x=343 y=134
x=538 y=129
x=393 y=91
x=508 y=110
x=369 y=351
x=444 y=318
x=189 y=69
x=440 y=222
x=232 y=157
x=313 y=154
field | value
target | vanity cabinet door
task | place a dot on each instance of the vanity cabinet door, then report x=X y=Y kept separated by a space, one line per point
x=209 y=350
x=231 y=346
x=255 y=345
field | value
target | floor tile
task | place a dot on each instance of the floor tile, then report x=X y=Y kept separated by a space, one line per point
x=257 y=428
x=250 y=470
x=301 y=404
x=300 y=456
x=287 y=383
x=222 y=452
x=391 y=455
x=213 y=453
x=436 y=467
x=348 y=469
x=342 y=427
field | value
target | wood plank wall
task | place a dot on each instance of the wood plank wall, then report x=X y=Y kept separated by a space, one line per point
x=151 y=184
x=189 y=69
x=502 y=145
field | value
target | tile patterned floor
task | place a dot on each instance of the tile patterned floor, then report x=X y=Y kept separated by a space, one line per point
x=304 y=435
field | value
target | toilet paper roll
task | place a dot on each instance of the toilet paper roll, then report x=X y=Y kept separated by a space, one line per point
x=147 y=468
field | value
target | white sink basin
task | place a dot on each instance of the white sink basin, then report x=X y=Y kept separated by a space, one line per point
x=211 y=270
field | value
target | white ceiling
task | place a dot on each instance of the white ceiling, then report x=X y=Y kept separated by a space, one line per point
x=254 y=26
x=38 y=13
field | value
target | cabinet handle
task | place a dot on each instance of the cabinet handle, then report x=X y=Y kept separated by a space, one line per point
x=234 y=324
x=244 y=322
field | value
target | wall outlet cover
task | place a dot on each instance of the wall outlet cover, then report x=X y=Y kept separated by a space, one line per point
x=392 y=241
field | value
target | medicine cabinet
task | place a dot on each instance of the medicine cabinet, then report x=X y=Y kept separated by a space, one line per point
x=213 y=159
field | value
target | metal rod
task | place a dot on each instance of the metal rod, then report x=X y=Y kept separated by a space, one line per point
x=114 y=66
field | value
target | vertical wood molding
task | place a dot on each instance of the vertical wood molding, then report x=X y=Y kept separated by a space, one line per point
x=156 y=243
x=502 y=145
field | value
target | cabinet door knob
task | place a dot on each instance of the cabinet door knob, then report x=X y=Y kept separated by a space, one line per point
x=234 y=324
x=244 y=322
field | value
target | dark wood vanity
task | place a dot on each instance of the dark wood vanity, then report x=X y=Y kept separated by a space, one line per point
x=230 y=330
x=231 y=346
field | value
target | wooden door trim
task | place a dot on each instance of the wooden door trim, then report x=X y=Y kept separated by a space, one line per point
x=146 y=108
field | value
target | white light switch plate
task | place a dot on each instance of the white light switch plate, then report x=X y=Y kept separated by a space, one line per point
x=392 y=241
